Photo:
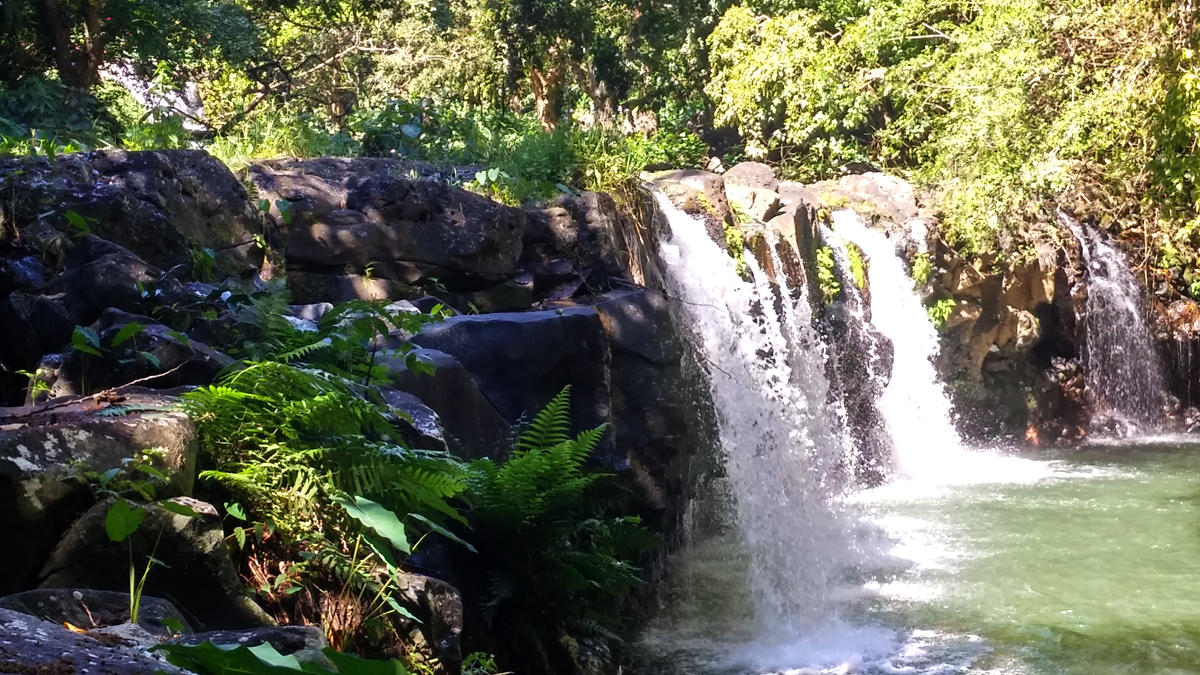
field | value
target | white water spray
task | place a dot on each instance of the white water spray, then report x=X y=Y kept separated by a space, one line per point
x=768 y=387
x=914 y=404
x=1123 y=372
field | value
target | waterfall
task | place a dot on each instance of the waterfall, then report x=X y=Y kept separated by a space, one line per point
x=784 y=452
x=863 y=361
x=914 y=404
x=1124 y=376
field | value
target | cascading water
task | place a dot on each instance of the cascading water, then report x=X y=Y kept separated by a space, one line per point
x=783 y=447
x=1123 y=372
x=914 y=404
x=863 y=362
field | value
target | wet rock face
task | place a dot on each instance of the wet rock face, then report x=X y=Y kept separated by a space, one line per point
x=158 y=204
x=700 y=194
x=39 y=500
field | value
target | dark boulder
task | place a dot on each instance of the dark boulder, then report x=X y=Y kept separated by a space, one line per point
x=355 y=216
x=30 y=645
x=305 y=643
x=40 y=447
x=419 y=424
x=523 y=360
x=153 y=351
x=87 y=609
x=200 y=578
x=658 y=407
x=21 y=272
x=31 y=326
x=473 y=428
x=436 y=640
x=114 y=280
x=161 y=205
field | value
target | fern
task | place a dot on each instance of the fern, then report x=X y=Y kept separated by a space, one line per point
x=288 y=439
x=558 y=557
x=551 y=426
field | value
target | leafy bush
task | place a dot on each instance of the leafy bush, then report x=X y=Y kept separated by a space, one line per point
x=940 y=311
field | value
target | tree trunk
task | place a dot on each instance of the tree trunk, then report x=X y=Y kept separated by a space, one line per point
x=78 y=66
x=547 y=90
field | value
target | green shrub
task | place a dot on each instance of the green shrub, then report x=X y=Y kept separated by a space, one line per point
x=940 y=311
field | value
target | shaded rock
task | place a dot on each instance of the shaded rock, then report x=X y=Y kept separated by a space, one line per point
x=311 y=189
x=754 y=175
x=38 y=501
x=593 y=234
x=303 y=642
x=21 y=272
x=201 y=579
x=158 y=204
x=30 y=645
x=659 y=421
x=523 y=360
x=89 y=609
x=113 y=280
x=700 y=194
x=437 y=639
x=422 y=428
x=315 y=288
x=154 y=350
x=364 y=214
x=473 y=428
x=509 y=296
x=30 y=326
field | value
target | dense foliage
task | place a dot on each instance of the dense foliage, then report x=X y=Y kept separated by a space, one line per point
x=998 y=108
x=326 y=503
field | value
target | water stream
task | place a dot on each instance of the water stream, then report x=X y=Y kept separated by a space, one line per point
x=970 y=562
x=1124 y=376
x=914 y=404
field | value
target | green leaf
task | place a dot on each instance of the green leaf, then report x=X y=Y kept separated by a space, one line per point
x=85 y=340
x=126 y=332
x=123 y=520
x=152 y=359
x=378 y=518
x=401 y=609
x=235 y=509
x=78 y=223
x=240 y=534
x=180 y=509
x=183 y=339
x=442 y=531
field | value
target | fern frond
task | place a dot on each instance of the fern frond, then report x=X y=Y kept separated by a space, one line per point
x=551 y=426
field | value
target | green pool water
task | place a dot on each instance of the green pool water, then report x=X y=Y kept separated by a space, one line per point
x=1083 y=562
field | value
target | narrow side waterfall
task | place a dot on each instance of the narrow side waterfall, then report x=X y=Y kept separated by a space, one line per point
x=1123 y=373
x=914 y=404
x=863 y=361
x=784 y=450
